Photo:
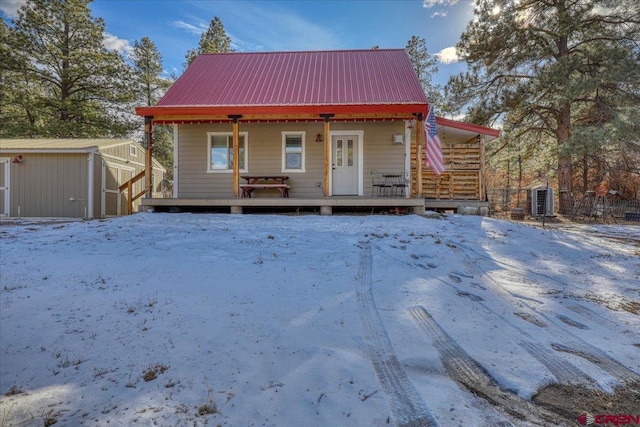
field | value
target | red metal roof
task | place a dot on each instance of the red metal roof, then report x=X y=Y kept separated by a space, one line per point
x=470 y=127
x=287 y=79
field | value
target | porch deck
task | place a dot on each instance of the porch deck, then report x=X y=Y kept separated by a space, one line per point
x=325 y=206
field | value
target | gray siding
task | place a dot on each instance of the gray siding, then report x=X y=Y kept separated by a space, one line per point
x=265 y=156
x=44 y=184
x=379 y=152
x=119 y=158
x=122 y=152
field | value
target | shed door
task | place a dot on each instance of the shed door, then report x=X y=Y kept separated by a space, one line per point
x=4 y=186
x=345 y=165
x=113 y=202
x=125 y=175
x=110 y=192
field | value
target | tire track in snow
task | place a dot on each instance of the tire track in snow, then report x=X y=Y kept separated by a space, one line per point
x=469 y=373
x=565 y=372
x=406 y=405
x=565 y=341
x=596 y=318
x=562 y=370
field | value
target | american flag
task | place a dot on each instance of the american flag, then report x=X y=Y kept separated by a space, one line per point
x=433 y=153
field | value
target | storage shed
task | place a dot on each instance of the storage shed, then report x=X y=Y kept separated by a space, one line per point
x=74 y=178
x=542 y=201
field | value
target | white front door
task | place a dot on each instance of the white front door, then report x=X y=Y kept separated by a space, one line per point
x=4 y=186
x=345 y=156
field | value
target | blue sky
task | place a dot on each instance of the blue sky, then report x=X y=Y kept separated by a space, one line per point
x=286 y=25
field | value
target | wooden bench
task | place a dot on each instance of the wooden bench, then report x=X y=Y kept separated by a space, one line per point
x=247 y=189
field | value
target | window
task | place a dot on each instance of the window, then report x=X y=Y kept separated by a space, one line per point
x=293 y=151
x=133 y=150
x=220 y=152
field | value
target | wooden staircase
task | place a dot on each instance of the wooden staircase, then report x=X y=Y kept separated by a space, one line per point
x=129 y=187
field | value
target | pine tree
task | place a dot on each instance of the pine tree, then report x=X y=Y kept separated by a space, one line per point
x=565 y=70
x=150 y=87
x=425 y=66
x=68 y=84
x=214 y=40
x=18 y=115
x=147 y=69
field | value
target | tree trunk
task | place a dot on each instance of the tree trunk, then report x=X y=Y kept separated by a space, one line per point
x=565 y=168
x=585 y=173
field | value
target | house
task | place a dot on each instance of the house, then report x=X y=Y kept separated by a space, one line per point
x=323 y=124
x=75 y=178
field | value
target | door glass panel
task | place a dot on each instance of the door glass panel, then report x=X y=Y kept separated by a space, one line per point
x=350 y=152
x=339 y=154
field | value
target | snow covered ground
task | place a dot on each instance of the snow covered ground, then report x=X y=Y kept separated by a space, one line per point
x=261 y=320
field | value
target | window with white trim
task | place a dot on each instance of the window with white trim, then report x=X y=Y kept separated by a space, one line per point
x=220 y=151
x=133 y=150
x=293 y=156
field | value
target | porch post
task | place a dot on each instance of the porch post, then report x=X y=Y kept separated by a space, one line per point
x=327 y=152
x=481 y=184
x=148 y=164
x=236 y=154
x=419 y=134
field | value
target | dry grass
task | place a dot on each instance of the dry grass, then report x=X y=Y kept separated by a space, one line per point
x=152 y=372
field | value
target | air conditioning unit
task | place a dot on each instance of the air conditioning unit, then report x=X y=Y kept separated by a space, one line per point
x=542 y=201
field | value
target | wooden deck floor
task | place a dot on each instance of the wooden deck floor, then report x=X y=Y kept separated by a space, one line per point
x=325 y=206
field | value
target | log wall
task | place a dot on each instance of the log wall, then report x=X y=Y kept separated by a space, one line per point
x=463 y=177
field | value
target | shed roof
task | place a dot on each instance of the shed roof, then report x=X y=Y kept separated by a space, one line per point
x=290 y=82
x=68 y=145
x=58 y=144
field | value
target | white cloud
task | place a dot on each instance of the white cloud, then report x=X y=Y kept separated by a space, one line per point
x=448 y=55
x=197 y=28
x=267 y=28
x=10 y=7
x=122 y=46
x=427 y=4
x=440 y=5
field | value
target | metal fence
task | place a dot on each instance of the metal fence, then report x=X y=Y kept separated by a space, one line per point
x=584 y=207
x=505 y=199
x=592 y=207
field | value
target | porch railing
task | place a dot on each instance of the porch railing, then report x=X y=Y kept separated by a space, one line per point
x=129 y=187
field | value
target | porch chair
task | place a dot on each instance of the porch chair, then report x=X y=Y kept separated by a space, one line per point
x=379 y=184
x=401 y=184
